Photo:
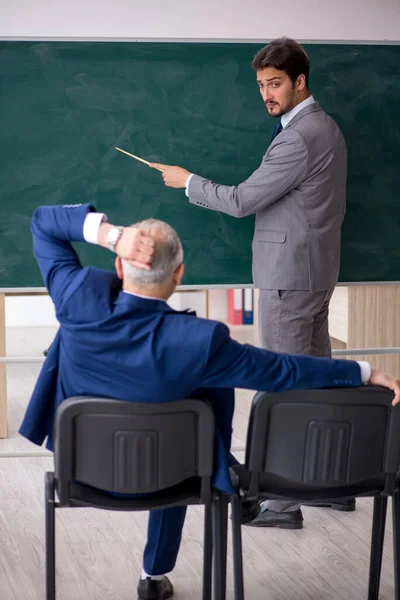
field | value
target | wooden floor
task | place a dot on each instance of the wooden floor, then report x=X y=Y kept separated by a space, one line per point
x=99 y=553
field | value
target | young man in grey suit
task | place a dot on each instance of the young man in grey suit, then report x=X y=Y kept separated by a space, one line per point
x=298 y=194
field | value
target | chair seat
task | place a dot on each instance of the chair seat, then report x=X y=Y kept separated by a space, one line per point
x=283 y=489
x=187 y=492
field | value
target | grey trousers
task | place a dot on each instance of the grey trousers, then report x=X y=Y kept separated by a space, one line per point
x=294 y=322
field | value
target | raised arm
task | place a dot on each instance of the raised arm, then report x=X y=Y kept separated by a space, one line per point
x=54 y=228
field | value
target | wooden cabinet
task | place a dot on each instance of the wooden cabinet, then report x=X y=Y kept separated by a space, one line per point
x=367 y=317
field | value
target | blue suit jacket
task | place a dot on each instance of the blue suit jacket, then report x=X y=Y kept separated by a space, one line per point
x=117 y=345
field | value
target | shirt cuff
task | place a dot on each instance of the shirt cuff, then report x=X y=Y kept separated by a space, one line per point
x=365 y=368
x=187 y=184
x=91 y=226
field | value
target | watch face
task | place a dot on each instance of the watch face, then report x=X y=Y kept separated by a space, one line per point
x=113 y=235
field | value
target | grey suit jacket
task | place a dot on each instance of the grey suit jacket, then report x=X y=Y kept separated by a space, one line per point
x=298 y=195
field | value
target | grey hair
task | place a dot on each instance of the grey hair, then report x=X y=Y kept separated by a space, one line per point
x=168 y=253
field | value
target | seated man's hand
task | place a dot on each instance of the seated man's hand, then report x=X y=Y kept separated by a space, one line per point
x=379 y=378
x=136 y=247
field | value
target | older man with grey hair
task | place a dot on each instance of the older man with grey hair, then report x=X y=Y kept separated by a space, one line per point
x=168 y=256
x=118 y=338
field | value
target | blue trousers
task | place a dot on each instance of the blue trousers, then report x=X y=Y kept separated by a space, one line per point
x=164 y=533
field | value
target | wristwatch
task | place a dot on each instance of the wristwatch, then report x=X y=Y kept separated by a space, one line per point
x=113 y=236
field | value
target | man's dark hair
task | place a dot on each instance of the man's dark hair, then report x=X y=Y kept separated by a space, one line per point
x=286 y=55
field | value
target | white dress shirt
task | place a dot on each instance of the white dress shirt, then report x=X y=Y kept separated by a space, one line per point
x=287 y=117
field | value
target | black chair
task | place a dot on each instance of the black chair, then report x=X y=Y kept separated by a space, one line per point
x=322 y=445
x=164 y=451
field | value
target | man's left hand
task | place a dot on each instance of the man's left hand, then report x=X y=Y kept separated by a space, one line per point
x=173 y=176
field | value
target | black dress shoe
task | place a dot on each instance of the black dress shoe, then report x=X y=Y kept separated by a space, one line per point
x=345 y=505
x=153 y=589
x=283 y=520
x=249 y=511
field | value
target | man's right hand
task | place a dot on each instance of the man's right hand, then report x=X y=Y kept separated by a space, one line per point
x=173 y=176
x=136 y=247
x=379 y=378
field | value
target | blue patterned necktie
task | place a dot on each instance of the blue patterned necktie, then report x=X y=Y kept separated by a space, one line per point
x=277 y=130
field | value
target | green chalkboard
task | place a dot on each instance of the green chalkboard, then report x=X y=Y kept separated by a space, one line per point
x=64 y=106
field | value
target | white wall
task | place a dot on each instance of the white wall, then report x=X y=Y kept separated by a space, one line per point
x=353 y=20
x=31 y=311
x=226 y=19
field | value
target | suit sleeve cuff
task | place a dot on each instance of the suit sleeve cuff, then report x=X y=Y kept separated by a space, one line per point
x=187 y=184
x=365 y=369
x=91 y=226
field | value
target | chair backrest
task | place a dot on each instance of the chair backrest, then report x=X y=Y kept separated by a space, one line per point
x=132 y=447
x=326 y=439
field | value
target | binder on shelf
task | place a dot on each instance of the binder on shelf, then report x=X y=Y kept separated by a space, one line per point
x=235 y=307
x=248 y=306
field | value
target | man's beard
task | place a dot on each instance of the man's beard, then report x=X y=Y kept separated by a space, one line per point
x=289 y=105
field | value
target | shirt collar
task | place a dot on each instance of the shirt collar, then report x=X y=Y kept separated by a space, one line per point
x=287 y=117
x=149 y=303
x=145 y=297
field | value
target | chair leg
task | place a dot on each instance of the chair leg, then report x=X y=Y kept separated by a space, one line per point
x=207 y=557
x=219 y=529
x=237 y=548
x=378 y=534
x=50 y=536
x=396 y=542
